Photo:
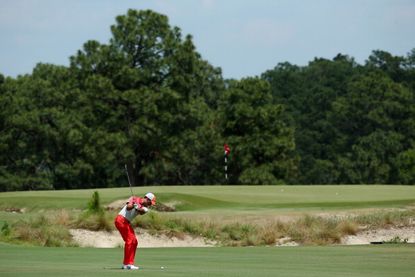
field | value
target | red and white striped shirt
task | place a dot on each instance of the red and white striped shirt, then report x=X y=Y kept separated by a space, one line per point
x=131 y=214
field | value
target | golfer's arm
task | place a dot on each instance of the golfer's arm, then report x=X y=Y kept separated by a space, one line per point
x=142 y=210
x=129 y=206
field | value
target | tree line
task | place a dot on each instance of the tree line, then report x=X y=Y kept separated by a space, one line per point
x=148 y=100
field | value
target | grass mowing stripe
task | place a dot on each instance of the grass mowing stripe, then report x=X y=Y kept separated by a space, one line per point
x=208 y=197
x=338 y=261
x=368 y=204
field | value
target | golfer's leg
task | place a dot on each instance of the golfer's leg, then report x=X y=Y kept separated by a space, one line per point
x=123 y=227
x=134 y=246
x=130 y=246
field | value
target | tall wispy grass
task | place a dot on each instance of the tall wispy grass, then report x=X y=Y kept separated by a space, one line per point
x=387 y=219
x=306 y=230
x=94 y=218
x=51 y=228
x=47 y=229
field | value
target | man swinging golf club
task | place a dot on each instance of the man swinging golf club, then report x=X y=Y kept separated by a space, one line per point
x=133 y=207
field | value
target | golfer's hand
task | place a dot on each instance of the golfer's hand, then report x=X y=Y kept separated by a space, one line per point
x=143 y=210
x=135 y=206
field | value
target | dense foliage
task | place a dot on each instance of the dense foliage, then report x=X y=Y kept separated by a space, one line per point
x=148 y=100
x=354 y=124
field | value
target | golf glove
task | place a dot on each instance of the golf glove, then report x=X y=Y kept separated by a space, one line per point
x=145 y=209
x=135 y=206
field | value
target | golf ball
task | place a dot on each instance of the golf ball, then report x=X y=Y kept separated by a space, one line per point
x=161 y=267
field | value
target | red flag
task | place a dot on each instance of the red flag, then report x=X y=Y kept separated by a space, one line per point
x=227 y=149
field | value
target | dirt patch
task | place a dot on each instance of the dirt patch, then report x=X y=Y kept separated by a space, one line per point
x=116 y=205
x=286 y=241
x=381 y=235
x=97 y=239
x=15 y=210
x=167 y=207
x=102 y=239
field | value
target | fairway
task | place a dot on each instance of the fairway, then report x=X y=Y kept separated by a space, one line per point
x=224 y=203
x=237 y=198
x=338 y=261
x=242 y=202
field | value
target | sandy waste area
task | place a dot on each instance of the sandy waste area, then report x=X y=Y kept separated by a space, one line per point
x=102 y=239
x=381 y=235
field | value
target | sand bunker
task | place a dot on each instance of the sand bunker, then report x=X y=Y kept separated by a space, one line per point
x=382 y=235
x=102 y=239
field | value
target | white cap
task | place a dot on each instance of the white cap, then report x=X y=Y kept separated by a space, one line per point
x=152 y=197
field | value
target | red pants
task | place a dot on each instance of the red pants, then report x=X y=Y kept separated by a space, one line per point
x=128 y=235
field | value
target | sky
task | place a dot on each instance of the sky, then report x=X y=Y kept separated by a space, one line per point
x=242 y=37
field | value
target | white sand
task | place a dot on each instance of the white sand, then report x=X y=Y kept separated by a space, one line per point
x=381 y=235
x=102 y=239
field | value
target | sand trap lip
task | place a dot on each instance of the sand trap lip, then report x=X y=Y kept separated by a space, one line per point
x=103 y=239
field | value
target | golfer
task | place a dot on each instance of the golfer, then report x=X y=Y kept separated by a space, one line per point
x=133 y=207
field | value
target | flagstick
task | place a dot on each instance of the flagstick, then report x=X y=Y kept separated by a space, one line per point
x=226 y=153
x=226 y=167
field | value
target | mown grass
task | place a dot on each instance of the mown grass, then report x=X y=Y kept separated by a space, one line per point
x=339 y=261
x=232 y=198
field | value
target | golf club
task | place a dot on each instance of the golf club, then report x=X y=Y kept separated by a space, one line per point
x=128 y=177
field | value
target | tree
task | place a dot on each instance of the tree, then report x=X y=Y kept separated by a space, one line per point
x=263 y=145
x=406 y=165
x=393 y=66
x=153 y=92
x=308 y=93
x=374 y=124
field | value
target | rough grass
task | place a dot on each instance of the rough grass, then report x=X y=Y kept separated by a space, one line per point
x=306 y=230
x=43 y=230
x=381 y=219
x=94 y=218
x=38 y=221
x=52 y=228
x=94 y=221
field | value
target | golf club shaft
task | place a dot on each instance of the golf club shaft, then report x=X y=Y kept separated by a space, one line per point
x=128 y=177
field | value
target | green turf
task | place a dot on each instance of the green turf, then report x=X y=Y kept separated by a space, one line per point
x=384 y=260
x=337 y=261
x=205 y=198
